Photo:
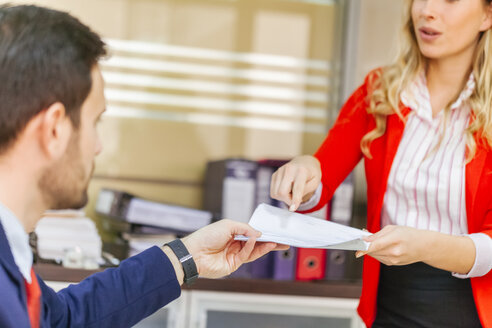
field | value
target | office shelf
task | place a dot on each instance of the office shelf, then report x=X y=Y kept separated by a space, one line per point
x=335 y=289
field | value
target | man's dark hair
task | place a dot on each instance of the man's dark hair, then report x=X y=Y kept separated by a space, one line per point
x=46 y=56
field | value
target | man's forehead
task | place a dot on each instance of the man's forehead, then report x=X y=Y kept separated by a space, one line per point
x=95 y=103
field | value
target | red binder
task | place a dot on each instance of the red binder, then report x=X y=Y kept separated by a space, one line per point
x=311 y=264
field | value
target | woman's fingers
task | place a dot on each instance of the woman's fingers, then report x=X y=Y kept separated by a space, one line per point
x=291 y=183
x=298 y=190
x=280 y=189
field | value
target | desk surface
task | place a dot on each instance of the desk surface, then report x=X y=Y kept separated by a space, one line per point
x=52 y=272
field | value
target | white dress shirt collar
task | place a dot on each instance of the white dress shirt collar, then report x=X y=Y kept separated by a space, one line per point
x=18 y=241
x=416 y=96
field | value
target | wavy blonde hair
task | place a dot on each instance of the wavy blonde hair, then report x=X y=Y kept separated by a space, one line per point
x=388 y=83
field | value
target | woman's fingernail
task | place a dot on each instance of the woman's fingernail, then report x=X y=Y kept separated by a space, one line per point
x=358 y=254
x=292 y=208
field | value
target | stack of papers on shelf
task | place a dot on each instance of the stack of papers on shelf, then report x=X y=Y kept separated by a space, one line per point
x=137 y=243
x=299 y=230
x=126 y=207
x=60 y=231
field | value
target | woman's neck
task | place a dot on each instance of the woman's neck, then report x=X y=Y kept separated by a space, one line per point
x=446 y=78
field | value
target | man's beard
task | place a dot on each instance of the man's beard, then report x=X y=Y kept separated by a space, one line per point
x=64 y=185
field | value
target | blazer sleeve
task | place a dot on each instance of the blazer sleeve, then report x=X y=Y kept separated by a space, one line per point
x=117 y=297
x=486 y=227
x=479 y=204
x=340 y=151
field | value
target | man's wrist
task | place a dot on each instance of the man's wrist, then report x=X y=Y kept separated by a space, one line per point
x=187 y=241
x=178 y=268
x=186 y=260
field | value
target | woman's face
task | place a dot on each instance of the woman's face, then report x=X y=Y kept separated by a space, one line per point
x=447 y=28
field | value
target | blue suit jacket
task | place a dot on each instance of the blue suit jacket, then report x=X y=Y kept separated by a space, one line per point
x=118 y=297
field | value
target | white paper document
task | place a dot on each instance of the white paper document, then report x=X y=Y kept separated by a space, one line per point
x=299 y=230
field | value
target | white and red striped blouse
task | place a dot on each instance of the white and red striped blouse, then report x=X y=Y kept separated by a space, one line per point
x=426 y=185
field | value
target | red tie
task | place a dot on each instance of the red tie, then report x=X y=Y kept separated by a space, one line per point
x=33 y=293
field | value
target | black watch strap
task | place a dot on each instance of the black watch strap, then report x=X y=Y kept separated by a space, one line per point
x=186 y=260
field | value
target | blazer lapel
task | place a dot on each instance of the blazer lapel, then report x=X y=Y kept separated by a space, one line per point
x=7 y=259
x=394 y=132
x=395 y=128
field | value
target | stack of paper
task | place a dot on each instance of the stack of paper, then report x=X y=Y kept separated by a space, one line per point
x=294 y=229
x=126 y=207
x=137 y=243
x=60 y=231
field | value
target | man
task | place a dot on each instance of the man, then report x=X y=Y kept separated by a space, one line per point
x=51 y=99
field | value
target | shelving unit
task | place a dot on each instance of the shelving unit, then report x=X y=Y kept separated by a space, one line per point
x=248 y=302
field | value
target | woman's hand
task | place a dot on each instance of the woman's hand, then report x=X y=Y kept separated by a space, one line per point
x=397 y=245
x=296 y=181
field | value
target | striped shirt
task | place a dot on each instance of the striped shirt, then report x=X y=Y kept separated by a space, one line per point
x=426 y=185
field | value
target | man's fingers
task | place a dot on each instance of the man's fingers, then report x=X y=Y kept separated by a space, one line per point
x=261 y=249
x=239 y=228
x=245 y=252
x=281 y=247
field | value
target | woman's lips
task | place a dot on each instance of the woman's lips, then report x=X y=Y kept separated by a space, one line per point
x=428 y=34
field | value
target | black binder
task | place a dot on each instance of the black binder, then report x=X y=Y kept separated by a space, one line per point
x=230 y=188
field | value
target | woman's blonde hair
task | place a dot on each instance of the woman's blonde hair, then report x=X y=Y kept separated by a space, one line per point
x=388 y=83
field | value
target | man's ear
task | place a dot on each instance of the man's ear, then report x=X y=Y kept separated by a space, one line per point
x=55 y=130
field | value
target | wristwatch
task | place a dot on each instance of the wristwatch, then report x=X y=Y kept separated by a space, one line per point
x=186 y=260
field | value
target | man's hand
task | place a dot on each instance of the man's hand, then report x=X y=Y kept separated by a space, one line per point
x=296 y=181
x=217 y=254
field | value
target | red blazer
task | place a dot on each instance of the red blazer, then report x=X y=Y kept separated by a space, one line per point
x=339 y=154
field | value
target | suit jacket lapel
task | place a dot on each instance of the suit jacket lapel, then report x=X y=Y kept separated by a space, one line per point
x=394 y=132
x=7 y=259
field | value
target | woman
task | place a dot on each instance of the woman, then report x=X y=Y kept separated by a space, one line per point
x=424 y=128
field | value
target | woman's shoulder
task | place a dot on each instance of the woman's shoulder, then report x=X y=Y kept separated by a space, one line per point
x=371 y=82
x=373 y=78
